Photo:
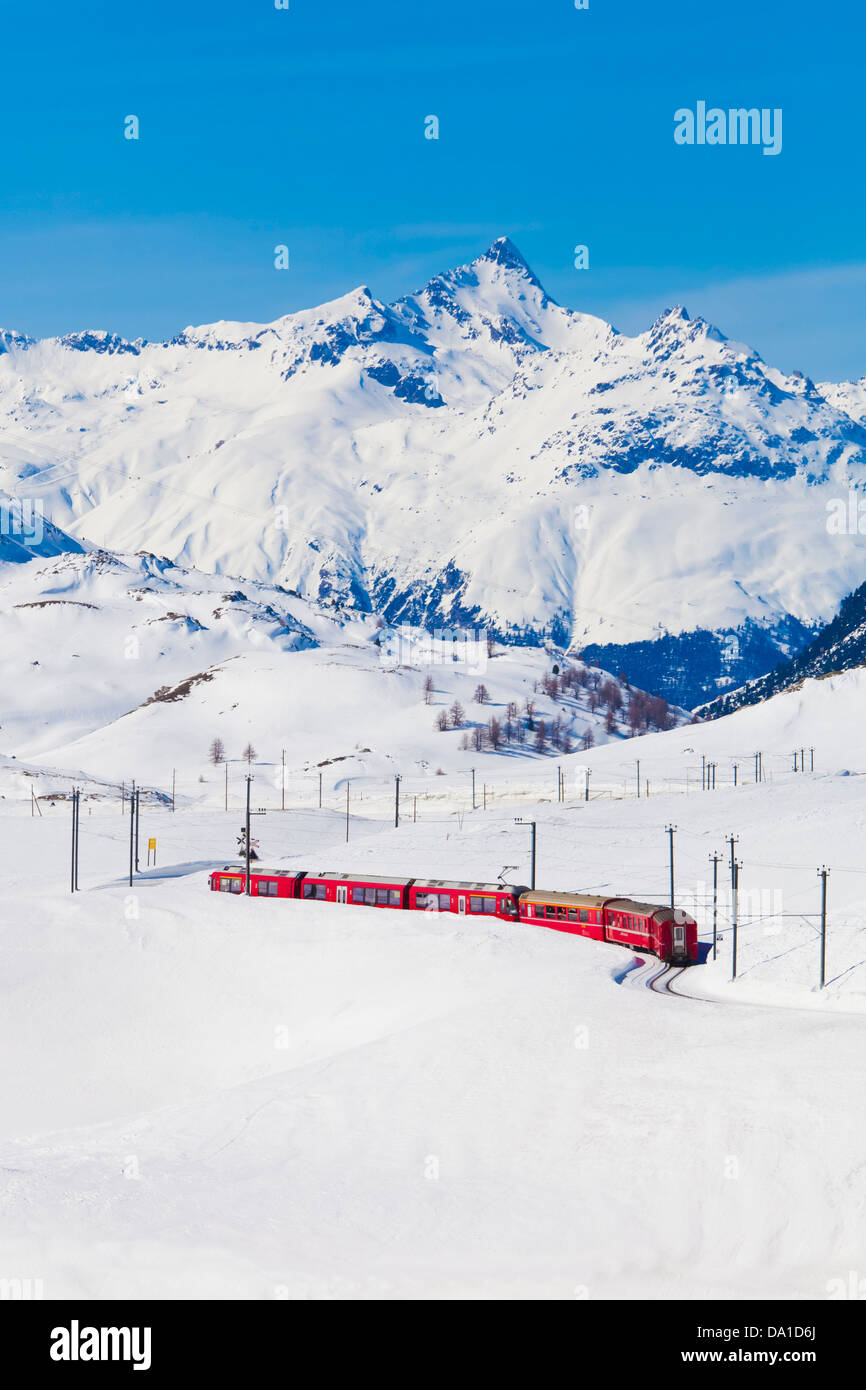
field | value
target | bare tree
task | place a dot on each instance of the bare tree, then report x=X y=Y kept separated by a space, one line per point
x=441 y=720
x=458 y=715
x=482 y=695
x=588 y=739
x=494 y=732
x=540 y=737
x=250 y=754
x=428 y=690
x=217 y=752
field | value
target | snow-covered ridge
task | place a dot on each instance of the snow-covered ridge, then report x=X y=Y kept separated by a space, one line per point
x=473 y=453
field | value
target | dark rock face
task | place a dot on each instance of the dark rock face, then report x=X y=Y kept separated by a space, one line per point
x=690 y=668
x=840 y=646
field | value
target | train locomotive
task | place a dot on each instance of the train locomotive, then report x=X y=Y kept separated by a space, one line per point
x=666 y=932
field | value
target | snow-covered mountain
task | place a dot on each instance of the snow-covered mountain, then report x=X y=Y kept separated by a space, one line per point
x=472 y=454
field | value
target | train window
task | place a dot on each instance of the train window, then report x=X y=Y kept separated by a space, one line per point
x=424 y=900
x=584 y=915
x=382 y=897
x=562 y=913
x=231 y=885
x=314 y=890
x=510 y=906
x=268 y=888
x=475 y=905
x=572 y=914
x=444 y=902
x=550 y=910
x=394 y=897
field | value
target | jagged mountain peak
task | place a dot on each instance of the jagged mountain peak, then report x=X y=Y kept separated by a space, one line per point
x=675 y=328
x=501 y=264
x=503 y=252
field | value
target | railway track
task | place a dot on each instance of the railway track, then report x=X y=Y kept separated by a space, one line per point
x=660 y=978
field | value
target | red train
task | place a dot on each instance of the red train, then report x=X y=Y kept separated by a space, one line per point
x=670 y=934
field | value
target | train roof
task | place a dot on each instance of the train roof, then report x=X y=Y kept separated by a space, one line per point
x=665 y=914
x=255 y=870
x=542 y=895
x=465 y=886
x=358 y=876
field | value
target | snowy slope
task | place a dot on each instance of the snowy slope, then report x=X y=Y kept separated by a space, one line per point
x=125 y=667
x=473 y=453
x=222 y=1098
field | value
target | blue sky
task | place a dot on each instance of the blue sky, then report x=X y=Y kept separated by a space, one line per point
x=305 y=127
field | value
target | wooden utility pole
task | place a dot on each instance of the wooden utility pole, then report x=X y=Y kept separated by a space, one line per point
x=823 y=875
x=670 y=831
x=247 y=836
x=131 y=834
x=717 y=859
x=735 y=880
x=73 y=878
x=532 y=825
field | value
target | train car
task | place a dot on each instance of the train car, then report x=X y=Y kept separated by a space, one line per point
x=582 y=914
x=473 y=899
x=361 y=890
x=671 y=935
x=264 y=883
